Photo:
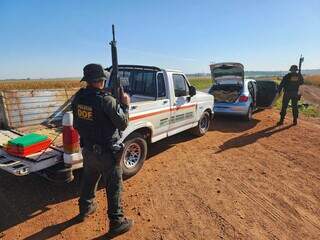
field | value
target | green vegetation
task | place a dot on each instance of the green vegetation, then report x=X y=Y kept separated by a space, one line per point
x=307 y=110
x=201 y=82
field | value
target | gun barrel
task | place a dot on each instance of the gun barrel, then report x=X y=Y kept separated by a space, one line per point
x=113 y=34
x=115 y=81
x=300 y=63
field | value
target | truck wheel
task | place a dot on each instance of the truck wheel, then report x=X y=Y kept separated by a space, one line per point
x=133 y=155
x=203 y=125
x=248 y=117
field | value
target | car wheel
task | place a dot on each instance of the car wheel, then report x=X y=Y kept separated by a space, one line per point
x=249 y=114
x=133 y=155
x=203 y=125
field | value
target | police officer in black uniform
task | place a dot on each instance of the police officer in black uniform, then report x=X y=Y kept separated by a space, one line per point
x=290 y=83
x=99 y=118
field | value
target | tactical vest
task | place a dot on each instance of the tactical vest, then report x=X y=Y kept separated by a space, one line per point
x=92 y=123
x=293 y=82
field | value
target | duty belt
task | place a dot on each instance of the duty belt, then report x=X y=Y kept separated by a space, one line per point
x=98 y=149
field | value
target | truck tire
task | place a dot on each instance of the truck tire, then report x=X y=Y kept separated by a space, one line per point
x=133 y=155
x=248 y=117
x=203 y=125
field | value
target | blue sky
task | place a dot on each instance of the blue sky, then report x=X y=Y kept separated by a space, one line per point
x=42 y=38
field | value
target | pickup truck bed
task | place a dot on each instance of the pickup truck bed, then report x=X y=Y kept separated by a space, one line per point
x=33 y=163
x=27 y=111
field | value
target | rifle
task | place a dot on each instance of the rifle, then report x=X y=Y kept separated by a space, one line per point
x=300 y=63
x=299 y=71
x=114 y=80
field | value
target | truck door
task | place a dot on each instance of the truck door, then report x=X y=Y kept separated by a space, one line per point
x=162 y=104
x=183 y=110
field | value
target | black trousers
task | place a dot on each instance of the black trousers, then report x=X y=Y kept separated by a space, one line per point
x=294 y=98
x=95 y=167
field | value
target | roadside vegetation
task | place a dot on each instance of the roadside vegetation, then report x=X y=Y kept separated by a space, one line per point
x=313 y=80
x=39 y=84
x=306 y=109
x=199 y=82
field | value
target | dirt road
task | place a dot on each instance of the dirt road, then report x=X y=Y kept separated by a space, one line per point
x=240 y=181
x=311 y=94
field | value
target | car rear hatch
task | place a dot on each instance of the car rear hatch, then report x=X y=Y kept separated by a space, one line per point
x=227 y=73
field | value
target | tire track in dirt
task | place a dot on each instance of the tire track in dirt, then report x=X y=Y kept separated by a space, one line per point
x=227 y=230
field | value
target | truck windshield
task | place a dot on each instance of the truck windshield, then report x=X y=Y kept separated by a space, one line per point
x=138 y=82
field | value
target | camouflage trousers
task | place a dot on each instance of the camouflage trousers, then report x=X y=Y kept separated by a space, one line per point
x=95 y=167
x=294 y=97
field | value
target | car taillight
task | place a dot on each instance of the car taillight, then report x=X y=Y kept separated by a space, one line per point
x=71 y=143
x=243 y=98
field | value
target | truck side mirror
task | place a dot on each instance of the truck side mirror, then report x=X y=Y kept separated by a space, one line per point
x=192 y=91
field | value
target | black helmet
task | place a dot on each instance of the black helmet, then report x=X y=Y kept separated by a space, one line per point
x=293 y=68
x=93 y=73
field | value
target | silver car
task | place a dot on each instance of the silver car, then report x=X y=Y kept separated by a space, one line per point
x=235 y=95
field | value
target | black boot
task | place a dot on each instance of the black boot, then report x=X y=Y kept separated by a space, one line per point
x=280 y=121
x=117 y=228
x=83 y=215
x=295 y=121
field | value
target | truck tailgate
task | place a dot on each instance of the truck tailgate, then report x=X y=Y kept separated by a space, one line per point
x=22 y=166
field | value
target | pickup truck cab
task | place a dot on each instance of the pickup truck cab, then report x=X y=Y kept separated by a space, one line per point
x=163 y=103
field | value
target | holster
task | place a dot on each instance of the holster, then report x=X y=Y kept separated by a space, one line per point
x=117 y=150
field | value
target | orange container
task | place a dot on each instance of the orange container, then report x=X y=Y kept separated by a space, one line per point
x=21 y=151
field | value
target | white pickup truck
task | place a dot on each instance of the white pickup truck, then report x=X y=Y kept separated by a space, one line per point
x=163 y=103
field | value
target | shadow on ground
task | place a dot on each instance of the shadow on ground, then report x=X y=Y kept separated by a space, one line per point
x=247 y=139
x=168 y=143
x=52 y=230
x=23 y=198
x=232 y=124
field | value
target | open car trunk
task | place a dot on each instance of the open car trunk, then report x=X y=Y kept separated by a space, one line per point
x=266 y=93
x=225 y=93
x=227 y=73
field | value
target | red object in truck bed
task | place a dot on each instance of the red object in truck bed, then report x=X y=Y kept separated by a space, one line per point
x=25 y=151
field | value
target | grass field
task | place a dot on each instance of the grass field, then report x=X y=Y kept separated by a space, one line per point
x=199 y=83
x=306 y=110
x=313 y=80
x=39 y=84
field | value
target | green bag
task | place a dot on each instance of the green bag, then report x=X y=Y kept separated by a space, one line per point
x=27 y=140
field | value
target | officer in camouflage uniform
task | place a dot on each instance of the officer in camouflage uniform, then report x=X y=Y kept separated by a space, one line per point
x=99 y=118
x=291 y=83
